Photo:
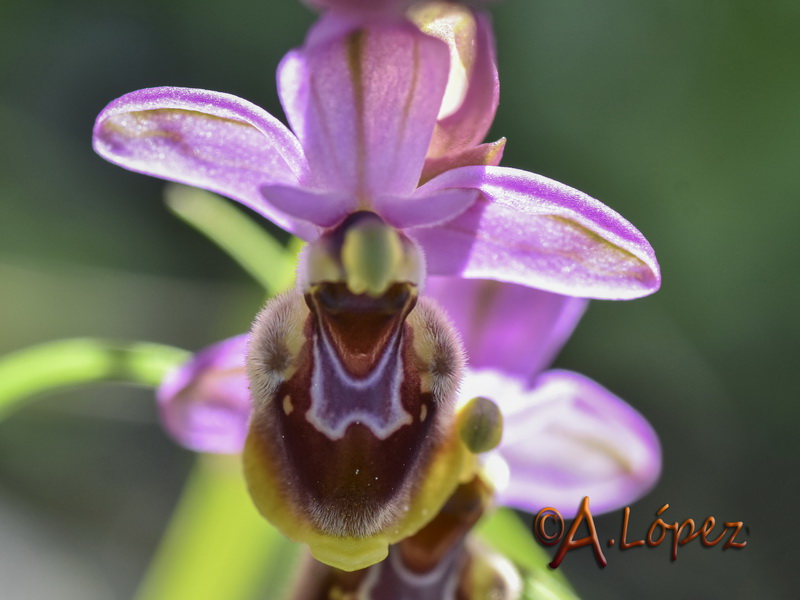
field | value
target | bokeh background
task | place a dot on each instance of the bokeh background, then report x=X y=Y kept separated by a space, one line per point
x=683 y=115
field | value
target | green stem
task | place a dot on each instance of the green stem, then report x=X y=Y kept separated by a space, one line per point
x=264 y=258
x=52 y=365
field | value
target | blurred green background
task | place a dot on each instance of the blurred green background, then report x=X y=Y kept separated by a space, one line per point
x=683 y=115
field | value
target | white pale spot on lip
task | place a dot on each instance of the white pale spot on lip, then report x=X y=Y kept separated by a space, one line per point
x=288 y=407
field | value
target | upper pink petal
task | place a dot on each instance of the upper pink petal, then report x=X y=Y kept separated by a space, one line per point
x=205 y=403
x=510 y=328
x=534 y=231
x=364 y=104
x=206 y=139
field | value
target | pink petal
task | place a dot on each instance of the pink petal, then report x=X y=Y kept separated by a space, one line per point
x=364 y=106
x=511 y=328
x=567 y=438
x=424 y=209
x=534 y=231
x=205 y=403
x=206 y=139
x=324 y=209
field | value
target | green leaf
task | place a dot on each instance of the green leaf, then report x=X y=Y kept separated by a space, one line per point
x=216 y=546
x=258 y=253
x=61 y=363
x=506 y=533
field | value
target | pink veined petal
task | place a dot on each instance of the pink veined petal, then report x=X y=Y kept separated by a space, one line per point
x=364 y=107
x=324 y=209
x=534 y=231
x=206 y=139
x=205 y=403
x=424 y=209
x=511 y=328
x=469 y=124
x=567 y=438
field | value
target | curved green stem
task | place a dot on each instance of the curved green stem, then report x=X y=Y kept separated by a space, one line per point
x=263 y=257
x=29 y=372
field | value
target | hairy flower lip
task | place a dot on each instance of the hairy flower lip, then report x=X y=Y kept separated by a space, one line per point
x=453 y=465
x=365 y=456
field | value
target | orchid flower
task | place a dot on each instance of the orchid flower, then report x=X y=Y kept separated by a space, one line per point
x=388 y=183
